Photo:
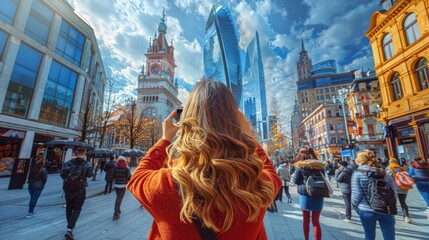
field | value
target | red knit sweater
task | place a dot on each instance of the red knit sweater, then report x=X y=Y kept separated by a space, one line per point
x=154 y=188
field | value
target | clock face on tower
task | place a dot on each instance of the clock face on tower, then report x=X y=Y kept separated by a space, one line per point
x=154 y=69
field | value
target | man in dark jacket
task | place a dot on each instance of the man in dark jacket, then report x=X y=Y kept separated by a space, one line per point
x=122 y=175
x=344 y=175
x=77 y=168
x=109 y=175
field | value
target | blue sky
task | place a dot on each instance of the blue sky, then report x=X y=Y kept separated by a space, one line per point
x=331 y=29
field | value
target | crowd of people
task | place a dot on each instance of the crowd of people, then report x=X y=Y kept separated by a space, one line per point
x=208 y=177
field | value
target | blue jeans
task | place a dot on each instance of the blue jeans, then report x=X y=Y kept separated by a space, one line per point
x=369 y=222
x=423 y=188
x=34 y=196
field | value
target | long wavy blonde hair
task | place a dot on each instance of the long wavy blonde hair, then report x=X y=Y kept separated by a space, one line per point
x=216 y=168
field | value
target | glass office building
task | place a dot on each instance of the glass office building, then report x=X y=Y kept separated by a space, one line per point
x=221 y=51
x=50 y=66
x=254 y=94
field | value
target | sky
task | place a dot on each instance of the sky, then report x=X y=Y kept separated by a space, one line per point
x=331 y=29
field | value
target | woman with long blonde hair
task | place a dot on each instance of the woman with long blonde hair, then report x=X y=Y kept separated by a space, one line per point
x=217 y=178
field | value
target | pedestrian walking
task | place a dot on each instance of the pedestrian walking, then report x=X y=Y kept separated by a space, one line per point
x=218 y=182
x=102 y=162
x=307 y=165
x=284 y=174
x=121 y=174
x=419 y=171
x=369 y=173
x=343 y=177
x=109 y=175
x=74 y=174
x=402 y=191
x=36 y=182
x=330 y=168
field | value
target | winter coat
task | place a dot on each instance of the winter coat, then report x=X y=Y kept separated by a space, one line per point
x=304 y=170
x=121 y=174
x=37 y=180
x=360 y=186
x=77 y=162
x=419 y=171
x=284 y=174
x=109 y=170
x=344 y=177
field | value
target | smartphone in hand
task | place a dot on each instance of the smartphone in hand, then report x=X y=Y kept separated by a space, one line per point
x=179 y=110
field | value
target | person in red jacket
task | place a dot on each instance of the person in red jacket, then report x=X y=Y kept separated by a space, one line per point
x=217 y=176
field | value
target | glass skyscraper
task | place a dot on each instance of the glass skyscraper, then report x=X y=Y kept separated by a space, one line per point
x=254 y=95
x=221 y=51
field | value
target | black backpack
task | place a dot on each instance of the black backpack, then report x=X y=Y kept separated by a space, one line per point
x=317 y=186
x=75 y=180
x=381 y=197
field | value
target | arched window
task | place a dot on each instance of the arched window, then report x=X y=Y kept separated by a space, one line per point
x=411 y=28
x=395 y=85
x=422 y=73
x=388 y=47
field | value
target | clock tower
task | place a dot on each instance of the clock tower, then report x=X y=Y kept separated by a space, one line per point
x=157 y=87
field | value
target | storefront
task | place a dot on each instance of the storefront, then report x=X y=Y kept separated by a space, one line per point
x=10 y=145
x=409 y=136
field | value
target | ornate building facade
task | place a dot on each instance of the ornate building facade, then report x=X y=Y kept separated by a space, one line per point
x=157 y=87
x=399 y=38
x=363 y=103
x=324 y=130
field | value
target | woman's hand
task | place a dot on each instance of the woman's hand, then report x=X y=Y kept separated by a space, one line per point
x=169 y=129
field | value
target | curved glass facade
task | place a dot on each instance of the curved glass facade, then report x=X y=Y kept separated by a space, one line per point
x=221 y=50
x=254 y=94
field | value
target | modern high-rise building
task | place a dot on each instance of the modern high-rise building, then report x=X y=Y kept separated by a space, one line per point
x=221 y=51
x=157 y=87
x=254 y=94
x=50 y=66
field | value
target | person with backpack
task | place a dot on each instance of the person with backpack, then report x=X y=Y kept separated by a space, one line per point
x=121 y=175
x=36 y=182
x=284 y=174
x=419 y=171
x=373 y=196
x=393 y=169
x=74 y=173
x=310 y=178
x=109 y=175
x=343 y=177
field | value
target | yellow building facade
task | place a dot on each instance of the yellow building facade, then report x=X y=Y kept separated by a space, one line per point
x=399 y=38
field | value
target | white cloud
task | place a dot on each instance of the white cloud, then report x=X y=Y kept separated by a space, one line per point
x=322 y=12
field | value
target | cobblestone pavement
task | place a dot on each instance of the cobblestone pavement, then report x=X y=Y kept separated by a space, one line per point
x=96 y=222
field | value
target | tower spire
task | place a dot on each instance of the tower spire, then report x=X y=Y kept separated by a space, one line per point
x=302 y=45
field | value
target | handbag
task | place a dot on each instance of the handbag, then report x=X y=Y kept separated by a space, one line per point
x=404 y=181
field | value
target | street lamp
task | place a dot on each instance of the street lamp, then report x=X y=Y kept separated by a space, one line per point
x=342 y=97
x=106 y=118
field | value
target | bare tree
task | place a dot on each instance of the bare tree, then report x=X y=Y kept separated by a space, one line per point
x=108 y=108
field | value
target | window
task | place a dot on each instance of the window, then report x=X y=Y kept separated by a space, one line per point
x=70 y=43
x=422 y=73
x=395 y=85
x=332 y=89
x=326 y=90
x=339 y=126
x=331 y=126
x=22 y=80
x=388 y=47
x=58 y=97
x=329 y=113
x=3 y=39
x=371 y=132
x=8 y=10
x=38 y=22
x=411 y=28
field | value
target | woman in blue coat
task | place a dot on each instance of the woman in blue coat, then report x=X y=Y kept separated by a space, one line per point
x=307 y=165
